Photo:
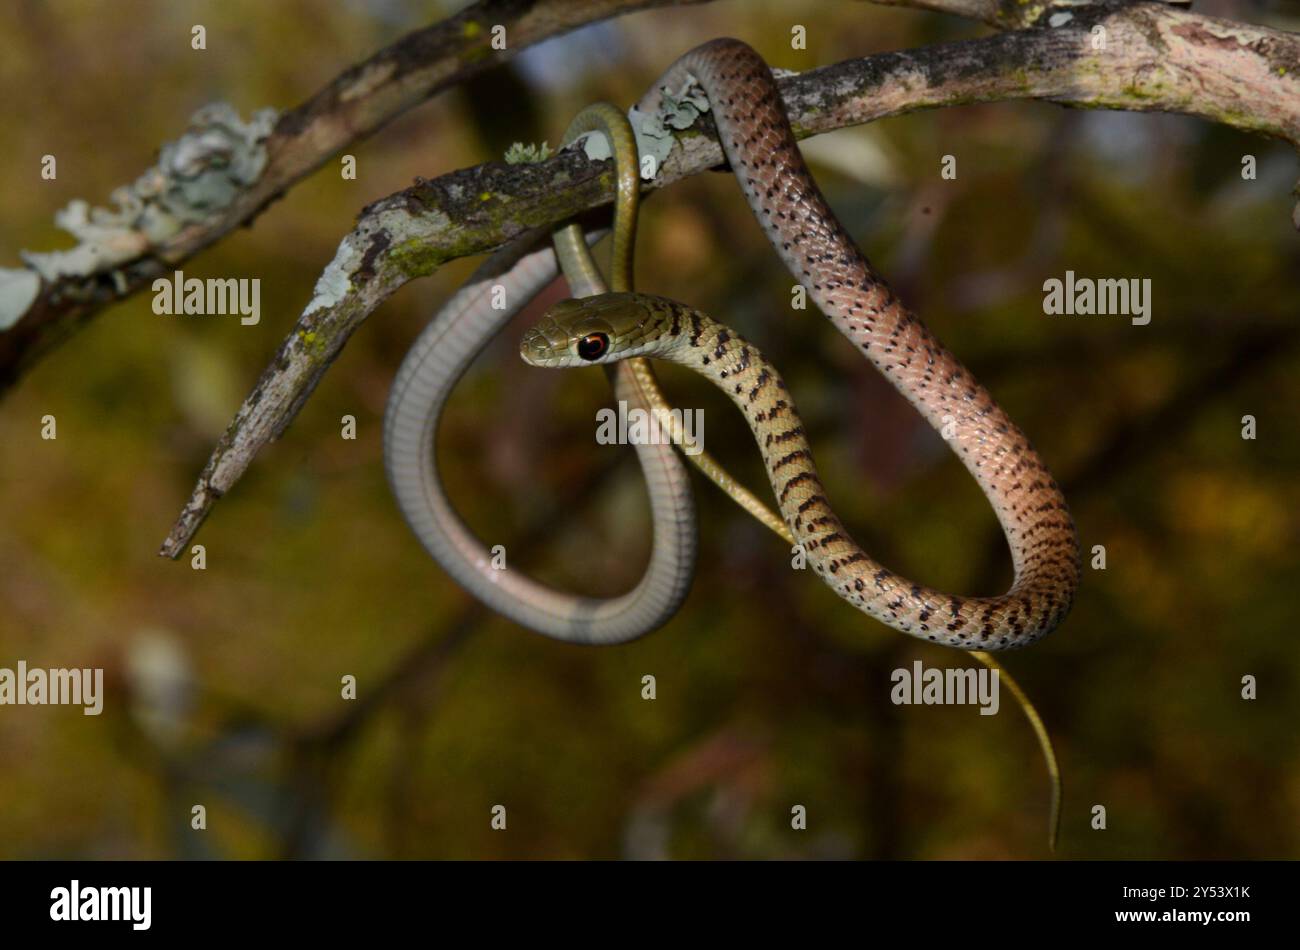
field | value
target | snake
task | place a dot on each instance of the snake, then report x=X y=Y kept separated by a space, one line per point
x=464 y=326
x=760 y=146
x=441 y=355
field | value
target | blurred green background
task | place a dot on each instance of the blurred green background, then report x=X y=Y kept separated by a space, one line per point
x=224 y=684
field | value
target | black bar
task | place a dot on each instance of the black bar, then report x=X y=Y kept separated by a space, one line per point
x=445 y=900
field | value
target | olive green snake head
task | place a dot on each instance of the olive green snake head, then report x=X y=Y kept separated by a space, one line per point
x=600 y=329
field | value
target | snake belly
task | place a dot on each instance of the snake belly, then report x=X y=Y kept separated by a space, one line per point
x=760 y=146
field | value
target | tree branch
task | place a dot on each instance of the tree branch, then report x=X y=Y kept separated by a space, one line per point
x=222 y=173
x=1004 y=14
x=1013 y=14
x=1154 y=58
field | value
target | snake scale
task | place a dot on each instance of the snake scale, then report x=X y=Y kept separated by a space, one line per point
x=760 y=146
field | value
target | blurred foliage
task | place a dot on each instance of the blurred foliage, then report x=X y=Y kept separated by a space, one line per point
x=771 y=692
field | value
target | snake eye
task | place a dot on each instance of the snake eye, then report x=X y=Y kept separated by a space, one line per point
x=593 y=346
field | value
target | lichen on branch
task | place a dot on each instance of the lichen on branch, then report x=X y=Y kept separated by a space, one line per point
x=121 y=252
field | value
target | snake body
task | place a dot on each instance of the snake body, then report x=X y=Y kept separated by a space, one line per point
x=442 y=354
x=435 y=364
x=760 y=146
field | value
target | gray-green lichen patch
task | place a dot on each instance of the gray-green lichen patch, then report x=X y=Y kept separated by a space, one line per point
x=595 y=146
x=18 y=288
x=415 y=248
x=335 y=280
x=389 y=236
x=654 y=132
x=521 y=154
x=198 y=175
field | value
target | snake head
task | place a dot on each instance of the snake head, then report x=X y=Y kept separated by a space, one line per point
x=588 y=330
